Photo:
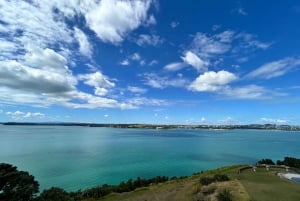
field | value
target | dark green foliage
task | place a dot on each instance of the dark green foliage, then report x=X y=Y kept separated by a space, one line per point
x=266 y=161
x=224 y=195
x=54 y=194
x=206 y=180
x=130 y=185
x=16 y=185
x=221 y=177
x=215 y=178
x=289 y=161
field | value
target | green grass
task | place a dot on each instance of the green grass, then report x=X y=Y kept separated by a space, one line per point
x=261 y=185
x=264 y=185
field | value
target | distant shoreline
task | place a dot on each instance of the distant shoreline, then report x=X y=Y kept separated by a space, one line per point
x=157 y=126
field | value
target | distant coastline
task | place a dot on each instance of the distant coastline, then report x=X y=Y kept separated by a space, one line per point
x=157 y=126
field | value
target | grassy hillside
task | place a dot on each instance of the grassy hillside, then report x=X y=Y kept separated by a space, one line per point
x=261 y=185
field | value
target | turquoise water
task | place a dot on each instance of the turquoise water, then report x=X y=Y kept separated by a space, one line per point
x=80 y=157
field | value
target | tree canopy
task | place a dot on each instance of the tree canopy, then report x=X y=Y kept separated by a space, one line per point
x=16 y=185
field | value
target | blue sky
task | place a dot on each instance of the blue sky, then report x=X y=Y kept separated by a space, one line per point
x=161 y=62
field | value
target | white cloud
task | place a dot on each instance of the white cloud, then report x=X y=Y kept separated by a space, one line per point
x=174 y=24
x=37 y=50
x=147 y=101
x=161 y=82
x=274 y=120
x=151 y=21
x=216 y=27
x=153 y=62
x=242 y=11
x=15 y=75
x=111 y=20
x=135 y=57
x=229 y=120
x=136 y=90
x=248 y=41
x=85 y=47
x=212 y=81
x=125 y=62
x=152 y=40
x=246 y=92
x=18 y=115
x=174 y=66
x=97 y=80
x=275 y=68
x=106 y=115
x=211 y=48
x=225 y=37
x=208 y=46
x=193 y=60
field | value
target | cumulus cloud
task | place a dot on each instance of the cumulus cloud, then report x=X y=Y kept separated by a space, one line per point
x=125 y=62
x=18 y=115
x=84 y=46
x=112 y=20
x=193 y=60
x=37 y=62
x=212 y=81
x=98 y=81
x=15 y=75
x=275 y=68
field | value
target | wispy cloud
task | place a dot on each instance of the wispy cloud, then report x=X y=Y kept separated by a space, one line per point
x=84 y=45
x=274 y=120
x=161 y=82
x=174 y=66
x=192 y=59
x=275 y=68
x=137 y=90
x=151 y=40
x=242 y=11
x=174 y=24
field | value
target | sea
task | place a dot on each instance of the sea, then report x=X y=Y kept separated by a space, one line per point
x=76 y=158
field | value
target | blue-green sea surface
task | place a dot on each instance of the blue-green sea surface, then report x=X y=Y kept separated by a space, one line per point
x=76 y=158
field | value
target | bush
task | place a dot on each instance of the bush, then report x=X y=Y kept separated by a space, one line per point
x=289 y=161
x=54 y=193
x=221 y=177
x=224 y=195
x=266 y=161
x=206 y=180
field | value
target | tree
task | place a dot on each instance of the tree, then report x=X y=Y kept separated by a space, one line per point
x=16 y=185
x=53 y=194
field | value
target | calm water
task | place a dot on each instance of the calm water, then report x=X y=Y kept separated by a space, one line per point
x=79 y=157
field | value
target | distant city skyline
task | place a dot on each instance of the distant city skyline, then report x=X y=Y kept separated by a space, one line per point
x=150 y=61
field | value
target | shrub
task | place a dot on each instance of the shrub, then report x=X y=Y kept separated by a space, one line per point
x=221 y=177
x=224 y=195
x=54 y=193
x=206 y=180
x=266 y=161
